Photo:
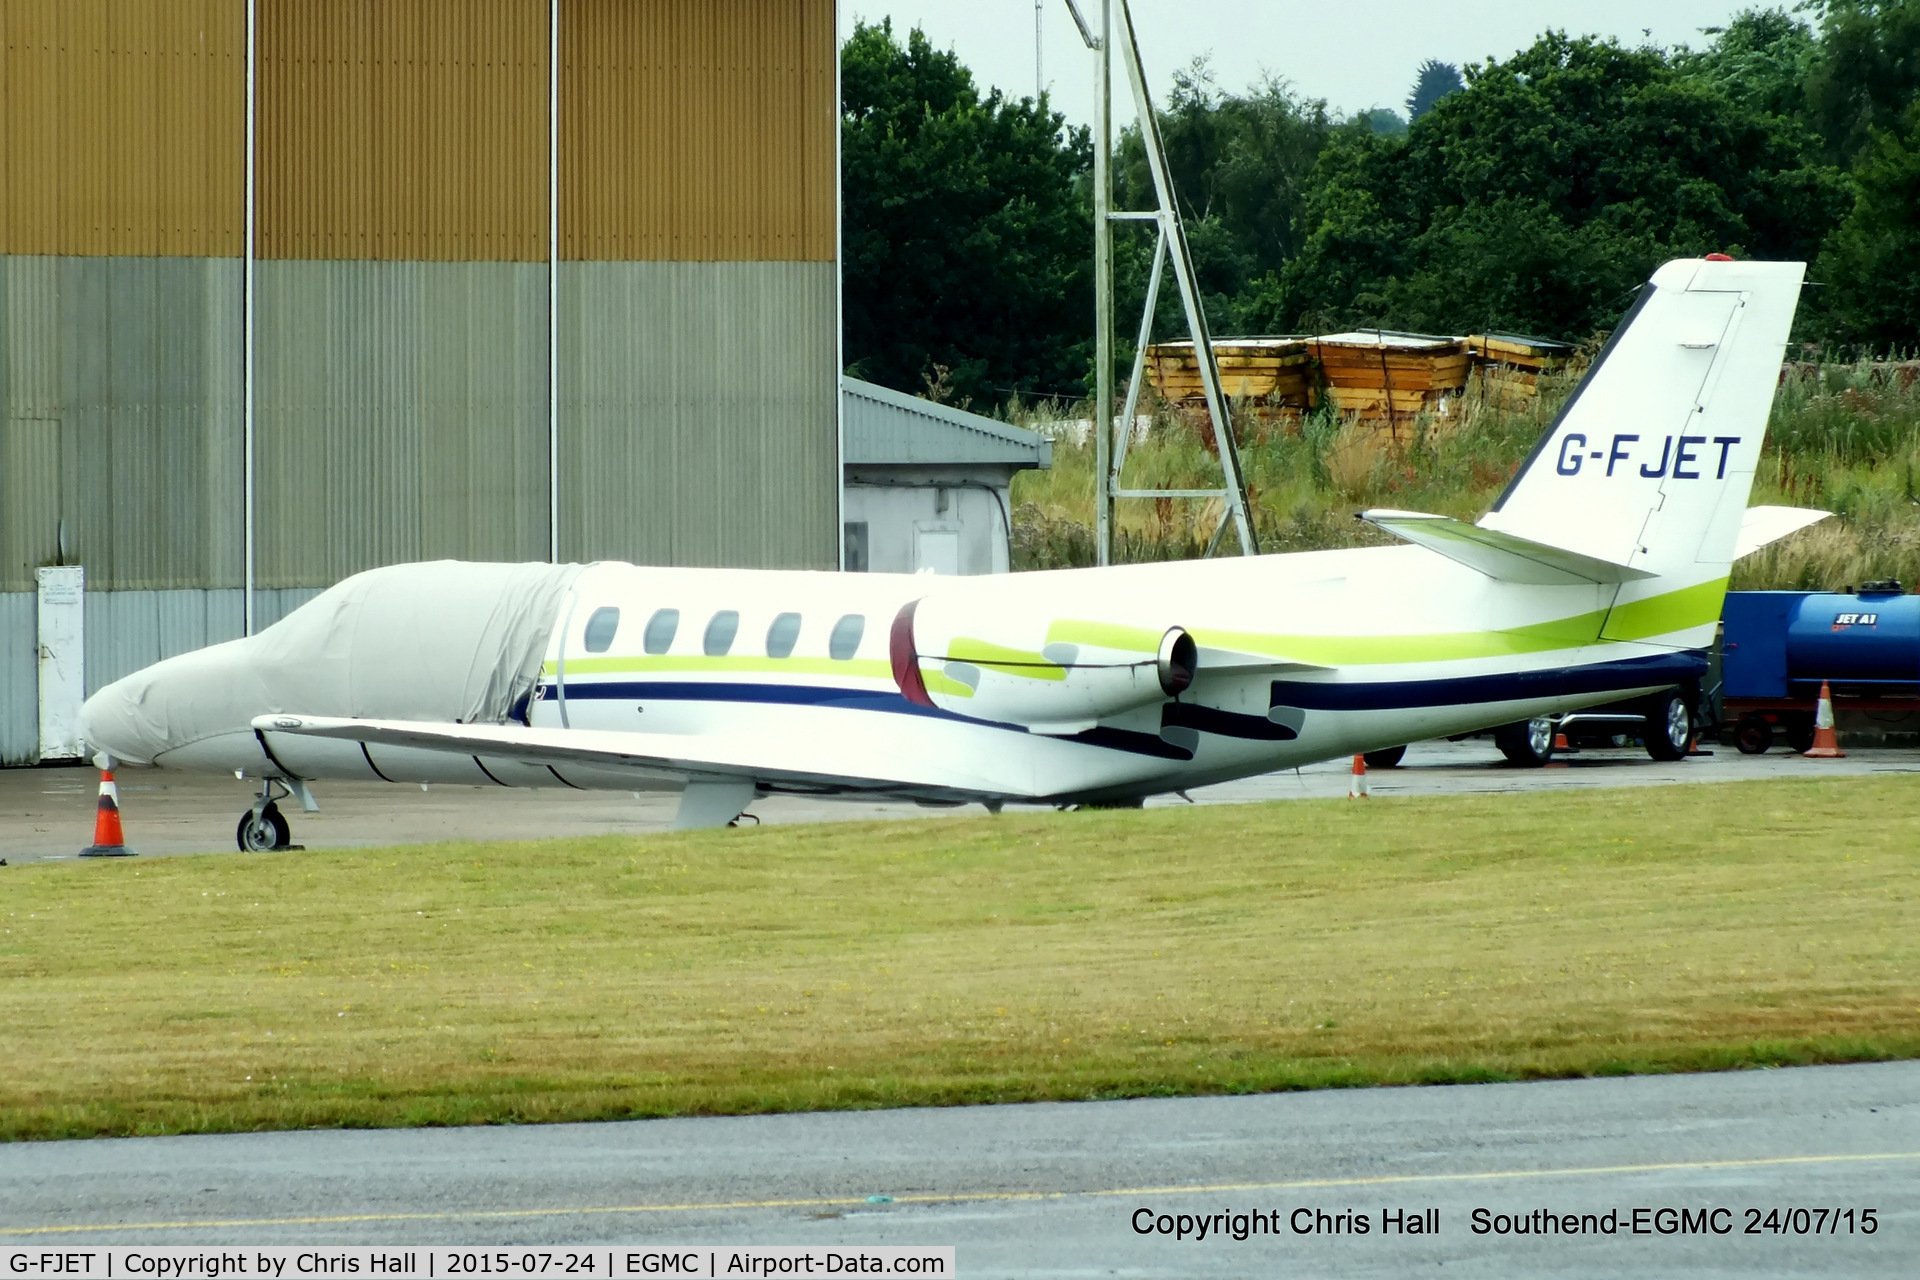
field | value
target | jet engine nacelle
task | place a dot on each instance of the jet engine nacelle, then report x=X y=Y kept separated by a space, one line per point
x=948 y=657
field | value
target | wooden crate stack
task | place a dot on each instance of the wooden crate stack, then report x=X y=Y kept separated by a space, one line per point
x=1274 y=378
x=1388 y=379
x=1510 y=365
x=1381 y=380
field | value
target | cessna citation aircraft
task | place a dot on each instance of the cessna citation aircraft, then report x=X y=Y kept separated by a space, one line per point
x=1597 y=577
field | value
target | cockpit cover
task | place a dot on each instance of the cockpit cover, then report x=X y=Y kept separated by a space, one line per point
x=446 y=641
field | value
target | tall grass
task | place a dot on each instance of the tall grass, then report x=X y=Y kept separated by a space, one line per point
x=1841 y=437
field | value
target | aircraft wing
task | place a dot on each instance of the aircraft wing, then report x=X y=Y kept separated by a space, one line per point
x=879 y=765
x=1505 y=556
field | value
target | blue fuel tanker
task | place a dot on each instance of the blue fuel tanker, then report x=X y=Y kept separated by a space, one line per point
x=1777 y=647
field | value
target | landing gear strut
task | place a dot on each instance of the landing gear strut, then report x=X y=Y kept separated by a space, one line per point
x=263 y=827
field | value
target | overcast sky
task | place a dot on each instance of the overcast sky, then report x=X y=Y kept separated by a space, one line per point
x=1355 y=55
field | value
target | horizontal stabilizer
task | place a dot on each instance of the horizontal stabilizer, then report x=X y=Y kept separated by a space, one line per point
x=1762 y=525
x=1505 y=556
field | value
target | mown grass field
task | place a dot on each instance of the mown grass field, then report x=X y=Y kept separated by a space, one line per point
x=1027 y=956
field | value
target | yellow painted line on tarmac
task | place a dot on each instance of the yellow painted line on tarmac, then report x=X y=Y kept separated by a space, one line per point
x=969 y=1197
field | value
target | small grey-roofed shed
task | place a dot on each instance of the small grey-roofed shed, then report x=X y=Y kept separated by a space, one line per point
x=927 y=485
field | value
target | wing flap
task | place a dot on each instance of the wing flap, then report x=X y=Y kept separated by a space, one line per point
x=1505 y=556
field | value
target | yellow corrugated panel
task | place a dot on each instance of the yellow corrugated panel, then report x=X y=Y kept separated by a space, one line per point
x=697 y=130
x=122 y=127
x=403 y=130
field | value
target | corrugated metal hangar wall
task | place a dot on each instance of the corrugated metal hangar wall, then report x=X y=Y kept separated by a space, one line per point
x=404 y=263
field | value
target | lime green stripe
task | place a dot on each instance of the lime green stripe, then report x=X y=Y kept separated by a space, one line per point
x=864 y=668
x=1658 y=615
x=1538 y=637
x=1013 y=662
x=1661 y=615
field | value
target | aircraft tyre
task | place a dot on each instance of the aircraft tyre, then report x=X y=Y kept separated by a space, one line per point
x=1753 y=735
x=264 y=831
x=1669 y=727
x=1527 y=743
x=1385 y=758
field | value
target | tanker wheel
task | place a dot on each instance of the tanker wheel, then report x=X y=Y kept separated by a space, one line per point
x=1386 y=758
x=1753 y=735
x=1669 y=727
x=1527 y=743
x=264 y=831
x=1800 y=734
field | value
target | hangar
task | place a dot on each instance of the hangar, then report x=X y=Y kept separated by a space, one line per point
x=294 y=288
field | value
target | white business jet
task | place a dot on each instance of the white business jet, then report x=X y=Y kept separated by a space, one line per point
x=1597 y=577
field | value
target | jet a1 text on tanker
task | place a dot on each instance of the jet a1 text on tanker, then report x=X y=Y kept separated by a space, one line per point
x=1597 y=576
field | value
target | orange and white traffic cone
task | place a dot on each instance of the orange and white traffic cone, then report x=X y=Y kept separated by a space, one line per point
x=108 y=841
x=1825 y=746
x=1357 y=789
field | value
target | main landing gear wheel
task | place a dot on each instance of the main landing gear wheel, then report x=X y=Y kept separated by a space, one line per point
x=1527 y=743
x=264 y=830
x=1669 y=727
x=1386 y=758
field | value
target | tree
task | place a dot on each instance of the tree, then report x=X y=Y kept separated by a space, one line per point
x=1760 y=60
x=1541 y=195
x=1242 y=168
x=1867 y=71
x=1872 y=263
x=1436 y=80
x=967 y=228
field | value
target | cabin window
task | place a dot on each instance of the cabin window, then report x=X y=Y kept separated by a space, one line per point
x=660 y=629
x=782 y=635
x=845 y=640
x=600 y=629
x=720 y=632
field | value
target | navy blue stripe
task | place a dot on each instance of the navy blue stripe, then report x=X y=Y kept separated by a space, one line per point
x=1509 y=686
x=805 y=695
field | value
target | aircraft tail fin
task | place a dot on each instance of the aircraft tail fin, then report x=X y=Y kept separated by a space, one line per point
x=1650 y=462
